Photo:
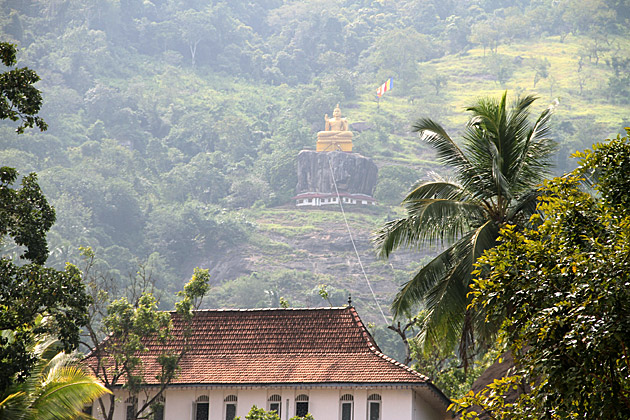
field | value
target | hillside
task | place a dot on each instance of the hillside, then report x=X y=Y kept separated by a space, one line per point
x=291 y=252
x=174 y=125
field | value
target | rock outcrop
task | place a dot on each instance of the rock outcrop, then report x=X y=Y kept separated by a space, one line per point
x=354 y=174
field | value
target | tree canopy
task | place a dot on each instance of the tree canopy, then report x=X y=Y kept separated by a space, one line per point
x=119 y=328
x=19 y=99
x=30 y=290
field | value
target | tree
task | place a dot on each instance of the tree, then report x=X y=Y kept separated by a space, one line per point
x=541 y=68
x=30 y=290
x=438 y=81
x=503 y=158
x=486 y=35
x=57 y=389
x=120 y=336
x=499 y=66
x=402 y=62
x=442 y=365
x=260 y=414
x=561 y=291
x=19 y=99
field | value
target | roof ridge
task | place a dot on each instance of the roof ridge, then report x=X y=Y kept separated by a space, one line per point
x=364 y=331
x=398 y=364
x=327 y=308
x=377 y=351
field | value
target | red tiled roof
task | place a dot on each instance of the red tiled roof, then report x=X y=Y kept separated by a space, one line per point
x=289 y=346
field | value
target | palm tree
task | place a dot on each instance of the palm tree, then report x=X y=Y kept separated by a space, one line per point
x=502 y=159
x=57 y=388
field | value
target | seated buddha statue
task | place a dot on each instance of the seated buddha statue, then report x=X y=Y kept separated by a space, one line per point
x=336 y=135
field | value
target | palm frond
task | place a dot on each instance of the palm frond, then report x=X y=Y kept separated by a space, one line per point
x=425 y=280
x=501 y=160
x=65 y=392
x=431 y=220
x=501 y=184
x=447 y=150
x=444 y=221
x=14 y=406
x=57 y=388
x=535 y=157
x=437 y=189
x=446 y=298
x=524 y=207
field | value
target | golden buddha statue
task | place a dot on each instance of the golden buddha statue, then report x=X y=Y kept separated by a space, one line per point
x=335 y=135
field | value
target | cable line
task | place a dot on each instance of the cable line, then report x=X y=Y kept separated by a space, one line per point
x=332 y=174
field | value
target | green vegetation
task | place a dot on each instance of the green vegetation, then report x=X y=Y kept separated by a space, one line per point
x=560 y=292
x=174 y=126
x=29 y=290
x=41 y=309
x=166 y=119
x=260 y=414
x=57 y=388
x=502 y=160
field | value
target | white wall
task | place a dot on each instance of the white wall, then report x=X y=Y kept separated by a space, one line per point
x=324 y=403
x=396 y=404
x=422 y=411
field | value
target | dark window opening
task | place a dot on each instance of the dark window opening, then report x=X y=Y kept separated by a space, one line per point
x=275 y=406
x=301 y=408
x=158 y=412
x=202 y=410
x=230 y=411
x=375 y=411
x=131 y=412
x=346 y=411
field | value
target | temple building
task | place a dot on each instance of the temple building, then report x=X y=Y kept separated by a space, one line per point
x=321 y=361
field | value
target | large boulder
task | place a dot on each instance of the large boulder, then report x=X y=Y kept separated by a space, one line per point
x=354 y=174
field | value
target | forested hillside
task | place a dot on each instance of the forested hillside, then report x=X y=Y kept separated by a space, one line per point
x=174 y=125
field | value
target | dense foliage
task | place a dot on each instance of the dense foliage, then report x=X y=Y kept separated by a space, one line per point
x=561 y=293
x=19 y=99
x=164 y=113
x=261 y=414
x=174 y=125
x=28 y=290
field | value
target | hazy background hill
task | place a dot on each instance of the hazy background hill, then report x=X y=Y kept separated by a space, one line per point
x=175 y=124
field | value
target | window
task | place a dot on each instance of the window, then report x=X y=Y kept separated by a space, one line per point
x=201 y=408
x=346 y=407
x=374 y=407
x=131 y=405
x=158 y=408
x=230 y=407
x=301 y=405
x=275 y=404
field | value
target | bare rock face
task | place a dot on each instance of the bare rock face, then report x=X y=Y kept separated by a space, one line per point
x=354 y=174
